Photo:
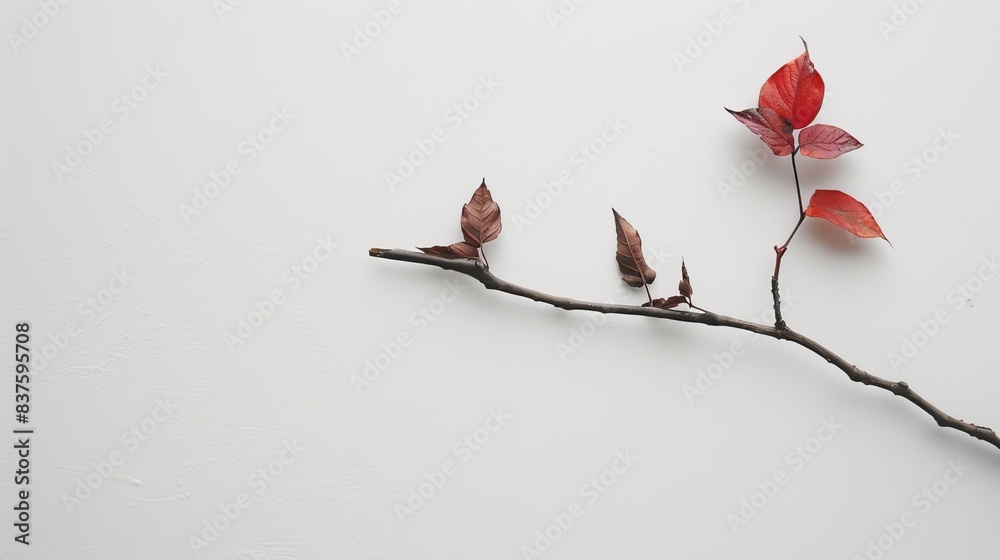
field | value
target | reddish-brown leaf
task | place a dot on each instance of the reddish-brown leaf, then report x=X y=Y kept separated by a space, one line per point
x=669 y=303
x=844 y=211
x=460 y=250
x=772 y=129
x=823 y=141
x=480 y=218
x=631 y=263
x=794 y=91
x=685 y=285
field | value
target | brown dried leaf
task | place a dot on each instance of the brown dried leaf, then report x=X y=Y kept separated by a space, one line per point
x=669 y=303
x=480 y=218
x=631 y=263
x=685 y=285
x=460 y=250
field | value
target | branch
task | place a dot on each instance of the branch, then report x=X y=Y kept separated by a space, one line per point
x=778 y=321
x=478 y=270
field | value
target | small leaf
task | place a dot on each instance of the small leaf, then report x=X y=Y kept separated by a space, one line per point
x=669 y=303
x=631 y=263
x=822 y=141
x=844 y=211
x=480 y=218
x=772 y=129
x=795 y=91
x=460 y=250
x=685 y=285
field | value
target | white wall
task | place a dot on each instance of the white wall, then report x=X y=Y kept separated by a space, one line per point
x=146 y=377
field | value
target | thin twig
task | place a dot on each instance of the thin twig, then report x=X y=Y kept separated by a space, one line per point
x=798 y=189
x=478 y=270
x=780 y=251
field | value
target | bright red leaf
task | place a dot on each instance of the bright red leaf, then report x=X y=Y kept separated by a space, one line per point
x=844 y=211
x=771 y=128
x=794 y=91
x=822 y=141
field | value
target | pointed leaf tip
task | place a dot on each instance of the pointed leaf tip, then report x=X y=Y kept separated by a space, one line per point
x=772 y=129
x=481 y=217
x=845 y=212
x=684 y=287
x=631 y=263
x=795 y=91
x=823 y=141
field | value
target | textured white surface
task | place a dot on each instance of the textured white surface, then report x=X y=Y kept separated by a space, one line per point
x=145 y=375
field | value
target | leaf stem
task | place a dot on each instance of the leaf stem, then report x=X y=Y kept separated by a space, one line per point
x=798 y=190
x=780 y=251
x=482 y=251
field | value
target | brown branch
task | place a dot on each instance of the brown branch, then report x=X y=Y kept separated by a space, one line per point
x=779 y=323
x=478 y=270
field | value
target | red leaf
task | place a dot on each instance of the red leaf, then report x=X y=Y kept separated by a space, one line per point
x=669 y=303
x=480 y=218
x=631 y=263
x=771 y=128
x=794 y=91
x=822 y=141
x=460 y=250
x=845 y=212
